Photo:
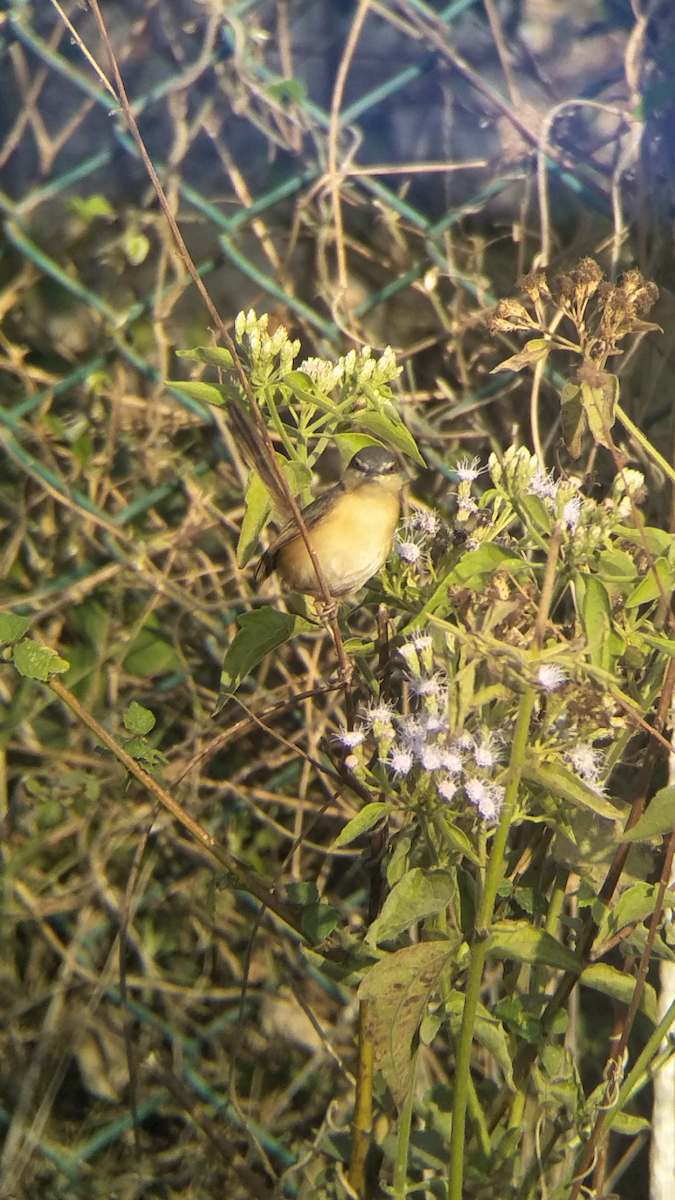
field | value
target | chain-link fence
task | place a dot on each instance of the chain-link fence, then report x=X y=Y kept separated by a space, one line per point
x=373 y=173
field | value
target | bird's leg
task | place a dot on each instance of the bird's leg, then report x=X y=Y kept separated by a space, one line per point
x=327 y=614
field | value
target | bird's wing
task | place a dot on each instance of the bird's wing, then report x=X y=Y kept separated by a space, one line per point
x=311 y=515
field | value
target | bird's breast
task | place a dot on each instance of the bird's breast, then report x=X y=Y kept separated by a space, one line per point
x=352 y=541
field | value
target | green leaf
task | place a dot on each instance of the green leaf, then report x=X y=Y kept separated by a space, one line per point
x=600 y=403
x=260 y=632
x=596 y=616
x=572 y=418
x=534 y=508
x=617 y=567
x=471 y=570
x=488 y=1031
x=628 y=1124
x=429 y=1028
x=612 y=982
x=199 y=391
x=421 y=893
x=136 y=246
x=307 y=392
x=318 y=922
x=212 y=356
x=520 y=941
x=657 y=820
x=35 y=661
x=12 y=628
x=648 y=588
x=536 y=350
x=138 y=720
x=398 y=988
x=349 y=443
x=292 y=90
x=361 y=823
x=394 y=432
x=559 y=781
x=150 y=653
x=635 y=904
x=255 y=515
x=457 y=837
x=659 y=541
x=139 y=749
x=666 y=645
x=89 y=207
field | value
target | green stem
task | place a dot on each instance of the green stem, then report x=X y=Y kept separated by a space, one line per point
x=478 y=1117
x=645 y=443
x=632 y=1081
x=479 y=948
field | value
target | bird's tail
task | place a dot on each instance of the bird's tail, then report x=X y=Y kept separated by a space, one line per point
x=256 y=456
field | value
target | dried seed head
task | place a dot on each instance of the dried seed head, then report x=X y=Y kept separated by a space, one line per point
x=621 y=304
x=565 y=290
x=639 y=294
x=534 y=285
x=573 y=289
x=590 y=373
x=588 y=279
x=510 y=315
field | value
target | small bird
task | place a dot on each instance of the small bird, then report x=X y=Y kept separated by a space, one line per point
x=351 y=526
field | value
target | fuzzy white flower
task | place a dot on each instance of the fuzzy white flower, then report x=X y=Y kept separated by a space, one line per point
x=413 y=732
x=401 y=761
x=433 y=686
x=551 y=677
x=446 y=789
x=468 y=469
x=465 y=741
x=572 y=512
x=351 y=738
x=452 y=762
x=487 y=797
x=434 y=723
x=587 y=762
x=409 y=551
x=425 y=521
x=378 y=714
x=486 y=753
x=431 y=757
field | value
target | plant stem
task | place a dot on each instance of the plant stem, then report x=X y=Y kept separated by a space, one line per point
x=644 y=442
x=362 y=1121
x=629 y=1085
x=243 y=878
x=480 y=946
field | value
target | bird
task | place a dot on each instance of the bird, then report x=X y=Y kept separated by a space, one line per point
x=351 y=526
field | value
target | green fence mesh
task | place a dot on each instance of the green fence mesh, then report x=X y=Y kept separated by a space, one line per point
x=372 y=173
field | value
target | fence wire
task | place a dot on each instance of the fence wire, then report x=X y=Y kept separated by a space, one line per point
x=380 y=173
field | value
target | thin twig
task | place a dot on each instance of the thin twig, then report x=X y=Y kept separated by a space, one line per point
x=244 y=878
x=293 y=507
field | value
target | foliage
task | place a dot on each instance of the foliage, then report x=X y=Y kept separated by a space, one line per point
x=527 y=643
x=194 y=909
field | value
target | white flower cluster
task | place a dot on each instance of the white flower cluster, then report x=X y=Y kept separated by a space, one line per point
x=416 y=530
x=456 y=762
x=251 y=332
x=628 y=489
x=521 y=471
x=588 y=763
x=356 y=370
x=325 y=374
